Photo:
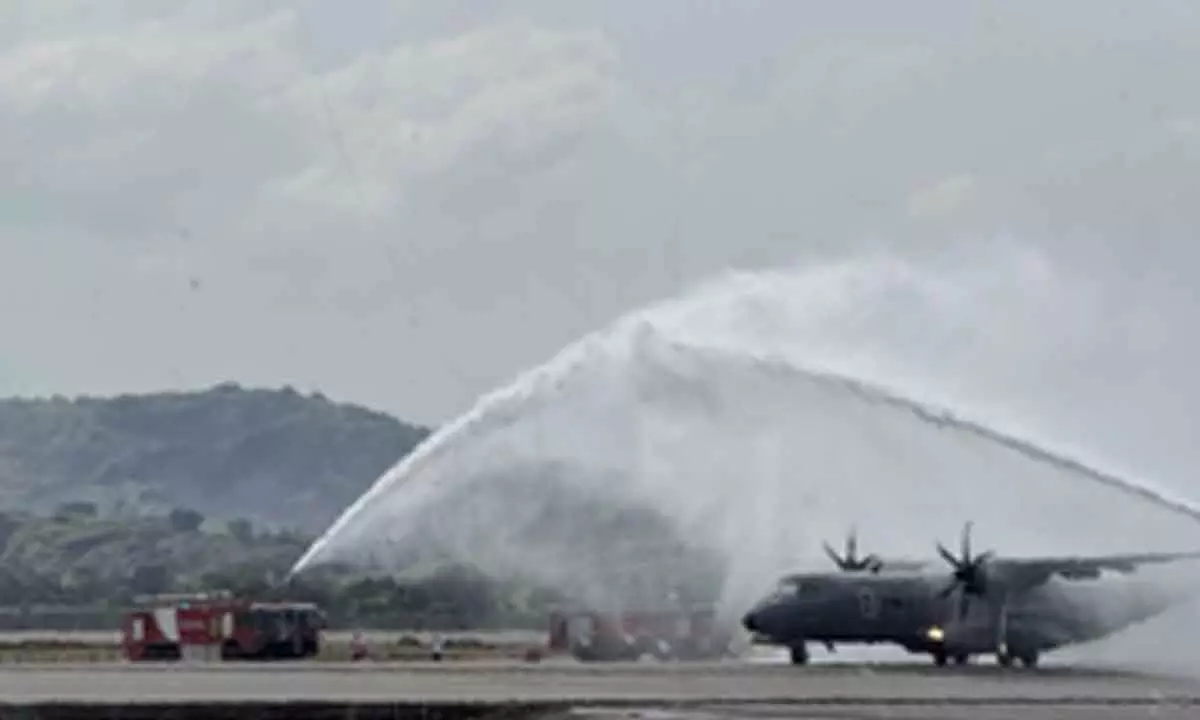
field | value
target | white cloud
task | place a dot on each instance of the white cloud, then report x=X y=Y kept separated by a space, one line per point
x=1187 y=127
x=405 y=204
x=416 y=111
x=942 y=199
x=163 y=108
x=242 y=145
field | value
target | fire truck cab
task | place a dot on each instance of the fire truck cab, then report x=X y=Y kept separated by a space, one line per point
x=219 y=626
x=678 y=634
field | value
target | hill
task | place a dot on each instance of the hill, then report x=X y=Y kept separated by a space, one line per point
x=273 y=457
x=103 y=499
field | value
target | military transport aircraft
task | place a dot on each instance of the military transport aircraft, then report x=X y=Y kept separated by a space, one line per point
x=988 y=605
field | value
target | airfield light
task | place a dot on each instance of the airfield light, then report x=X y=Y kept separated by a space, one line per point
x=935 y=634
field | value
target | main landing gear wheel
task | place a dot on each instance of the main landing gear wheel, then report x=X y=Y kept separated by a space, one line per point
x=799 y=655
x=1027 y=659
x=939 y=658
x=962 y=659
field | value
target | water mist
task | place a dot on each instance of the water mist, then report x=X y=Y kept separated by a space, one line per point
x=715 y=441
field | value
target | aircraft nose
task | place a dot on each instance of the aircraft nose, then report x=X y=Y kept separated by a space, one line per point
x=750 y=621
x=764 y=619
x=776 y=620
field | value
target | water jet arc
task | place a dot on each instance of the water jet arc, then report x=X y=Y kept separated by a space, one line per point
x=653 y=384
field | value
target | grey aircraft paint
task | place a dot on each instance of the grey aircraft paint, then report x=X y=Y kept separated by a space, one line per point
x=1012 y=608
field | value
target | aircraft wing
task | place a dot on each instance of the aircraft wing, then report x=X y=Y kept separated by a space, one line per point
x=899 y=565
x=1037 y=570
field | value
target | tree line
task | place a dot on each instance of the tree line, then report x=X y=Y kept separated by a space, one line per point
x=77 y=569
x=453 y=597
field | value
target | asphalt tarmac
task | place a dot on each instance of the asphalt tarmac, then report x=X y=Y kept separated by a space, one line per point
x=751 y=687
x=884 y=712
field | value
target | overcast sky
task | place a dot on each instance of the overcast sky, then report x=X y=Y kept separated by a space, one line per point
x=403 y=203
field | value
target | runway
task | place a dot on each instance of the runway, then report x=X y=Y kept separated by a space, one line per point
x=725 y=689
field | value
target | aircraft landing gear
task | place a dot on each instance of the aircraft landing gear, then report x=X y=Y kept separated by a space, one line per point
x=1027 y=659
x=799 y=654
x=941 y=657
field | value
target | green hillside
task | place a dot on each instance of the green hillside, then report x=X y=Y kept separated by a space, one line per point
x=271 y=456
x=104 y=499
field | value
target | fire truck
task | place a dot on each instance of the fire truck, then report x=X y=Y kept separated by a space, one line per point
x=219 y=626
x=675 y=634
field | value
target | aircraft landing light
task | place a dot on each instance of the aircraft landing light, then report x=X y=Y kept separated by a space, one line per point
x=935 y=634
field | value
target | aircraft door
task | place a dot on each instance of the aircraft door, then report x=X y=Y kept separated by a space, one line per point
x=896 y=615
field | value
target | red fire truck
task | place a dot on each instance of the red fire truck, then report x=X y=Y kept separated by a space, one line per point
x=219 y=626
x=676 y=634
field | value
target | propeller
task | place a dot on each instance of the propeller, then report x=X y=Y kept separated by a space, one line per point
x=970 y=573
x=849 y=561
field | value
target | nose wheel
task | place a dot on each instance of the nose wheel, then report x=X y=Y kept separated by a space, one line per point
x=799 y=654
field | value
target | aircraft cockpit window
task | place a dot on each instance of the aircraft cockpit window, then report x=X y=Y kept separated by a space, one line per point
x=798 y=588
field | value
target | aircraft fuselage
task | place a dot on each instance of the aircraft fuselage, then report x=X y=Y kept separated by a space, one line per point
x=906 y=609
